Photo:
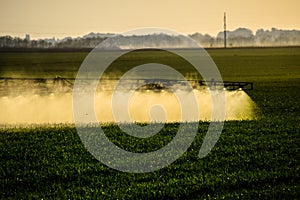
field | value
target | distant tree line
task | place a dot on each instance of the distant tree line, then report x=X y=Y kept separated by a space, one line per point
x=240 y=37
x=16 y=42
x=243 y=37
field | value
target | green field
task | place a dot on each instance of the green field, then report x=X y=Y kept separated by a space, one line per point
x=257 y=159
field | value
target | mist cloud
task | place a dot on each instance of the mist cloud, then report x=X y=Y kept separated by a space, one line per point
x=237 y=38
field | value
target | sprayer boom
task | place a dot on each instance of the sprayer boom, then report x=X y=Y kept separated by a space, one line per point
x=212 y=84
x=227 y=85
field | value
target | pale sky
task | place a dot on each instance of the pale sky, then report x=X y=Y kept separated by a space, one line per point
x=61 y=18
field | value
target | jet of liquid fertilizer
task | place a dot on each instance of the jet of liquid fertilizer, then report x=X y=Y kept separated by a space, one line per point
x=49 y=101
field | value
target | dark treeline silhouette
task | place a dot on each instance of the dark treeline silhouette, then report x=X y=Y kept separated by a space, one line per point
x=16 y=42
x=240 y=37
x=274 y=37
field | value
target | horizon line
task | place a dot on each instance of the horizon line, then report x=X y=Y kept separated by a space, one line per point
x=17 y=35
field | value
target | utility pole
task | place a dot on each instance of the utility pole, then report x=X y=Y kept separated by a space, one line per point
x=225 y=37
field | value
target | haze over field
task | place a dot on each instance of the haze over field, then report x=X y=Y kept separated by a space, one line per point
x=237 y=38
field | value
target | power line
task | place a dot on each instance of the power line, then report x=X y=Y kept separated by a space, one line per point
x=225 y=38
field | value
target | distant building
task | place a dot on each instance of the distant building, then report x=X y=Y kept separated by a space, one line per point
x=27 y=37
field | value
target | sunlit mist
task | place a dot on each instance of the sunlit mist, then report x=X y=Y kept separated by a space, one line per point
x=36 y=107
